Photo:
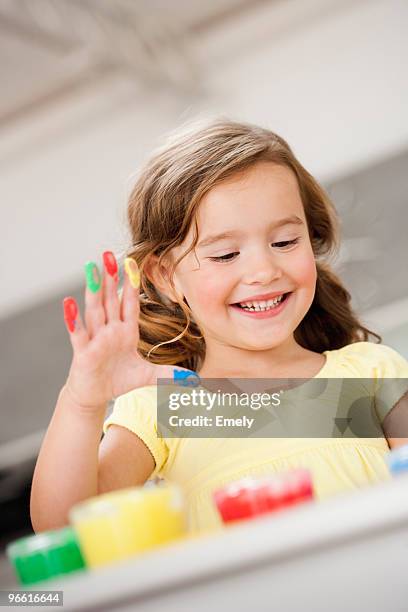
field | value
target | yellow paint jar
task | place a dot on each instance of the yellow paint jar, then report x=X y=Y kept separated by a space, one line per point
x=124 y=523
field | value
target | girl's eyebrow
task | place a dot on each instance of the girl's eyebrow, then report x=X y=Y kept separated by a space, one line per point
x=292 y=220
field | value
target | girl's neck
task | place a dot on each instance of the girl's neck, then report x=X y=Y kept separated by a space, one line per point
x=288 y=362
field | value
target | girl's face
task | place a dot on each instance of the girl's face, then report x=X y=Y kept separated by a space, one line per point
x=261 y=255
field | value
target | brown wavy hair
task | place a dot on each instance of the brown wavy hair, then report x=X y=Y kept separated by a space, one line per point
x=163 y=204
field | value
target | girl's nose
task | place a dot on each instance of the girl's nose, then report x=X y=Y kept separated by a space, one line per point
x=261 y=267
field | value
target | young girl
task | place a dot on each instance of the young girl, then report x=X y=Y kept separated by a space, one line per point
x=224 y=222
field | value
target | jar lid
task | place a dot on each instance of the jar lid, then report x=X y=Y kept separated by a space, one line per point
x=251 y=497
x=45 y=555
x=108 y=504
x=397 y=459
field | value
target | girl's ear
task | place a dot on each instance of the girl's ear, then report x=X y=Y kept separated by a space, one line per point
x=158 y=274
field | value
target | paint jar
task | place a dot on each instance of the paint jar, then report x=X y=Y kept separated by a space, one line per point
x=123 y=523
x=45 y=555
x=251 y=497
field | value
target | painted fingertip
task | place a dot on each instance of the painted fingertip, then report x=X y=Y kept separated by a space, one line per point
x=70 y=313
x=132 y=271
x=110 y=264
x=93 y=277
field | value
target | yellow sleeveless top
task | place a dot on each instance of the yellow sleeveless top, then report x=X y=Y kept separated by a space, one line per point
x=202 y=465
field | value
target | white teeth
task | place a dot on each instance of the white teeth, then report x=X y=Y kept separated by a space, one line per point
x=262 y=305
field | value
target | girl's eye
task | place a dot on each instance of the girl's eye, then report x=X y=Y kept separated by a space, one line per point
x=279 y=245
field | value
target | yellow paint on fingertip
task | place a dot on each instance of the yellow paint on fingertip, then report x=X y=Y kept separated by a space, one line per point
x=132 y=271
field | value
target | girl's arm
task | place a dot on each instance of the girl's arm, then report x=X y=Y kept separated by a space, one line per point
x=66 y=471
x=124 y=460
x=71 y=467
x=396 y=423
x=69 y=472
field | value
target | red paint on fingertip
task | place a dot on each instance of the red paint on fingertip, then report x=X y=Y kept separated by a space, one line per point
x=111 y=265
x=70 y=312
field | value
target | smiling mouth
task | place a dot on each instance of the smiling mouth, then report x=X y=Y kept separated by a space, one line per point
x=285 y=295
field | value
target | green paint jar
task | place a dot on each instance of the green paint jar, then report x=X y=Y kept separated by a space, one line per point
x=45 y=555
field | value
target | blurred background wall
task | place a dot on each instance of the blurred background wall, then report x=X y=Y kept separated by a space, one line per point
x=89 y=87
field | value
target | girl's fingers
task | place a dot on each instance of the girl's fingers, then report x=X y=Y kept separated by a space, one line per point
x=130 y=306
x=110 y=283
x=102 y=304
x=94 y=310
x=77 y=332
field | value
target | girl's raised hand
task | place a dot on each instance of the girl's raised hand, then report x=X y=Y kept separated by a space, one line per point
x=105 y=361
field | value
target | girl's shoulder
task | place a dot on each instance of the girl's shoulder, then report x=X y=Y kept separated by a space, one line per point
x=369 y=360
x=138 y=406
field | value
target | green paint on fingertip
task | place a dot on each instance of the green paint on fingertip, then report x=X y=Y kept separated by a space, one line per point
x=93 y=277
